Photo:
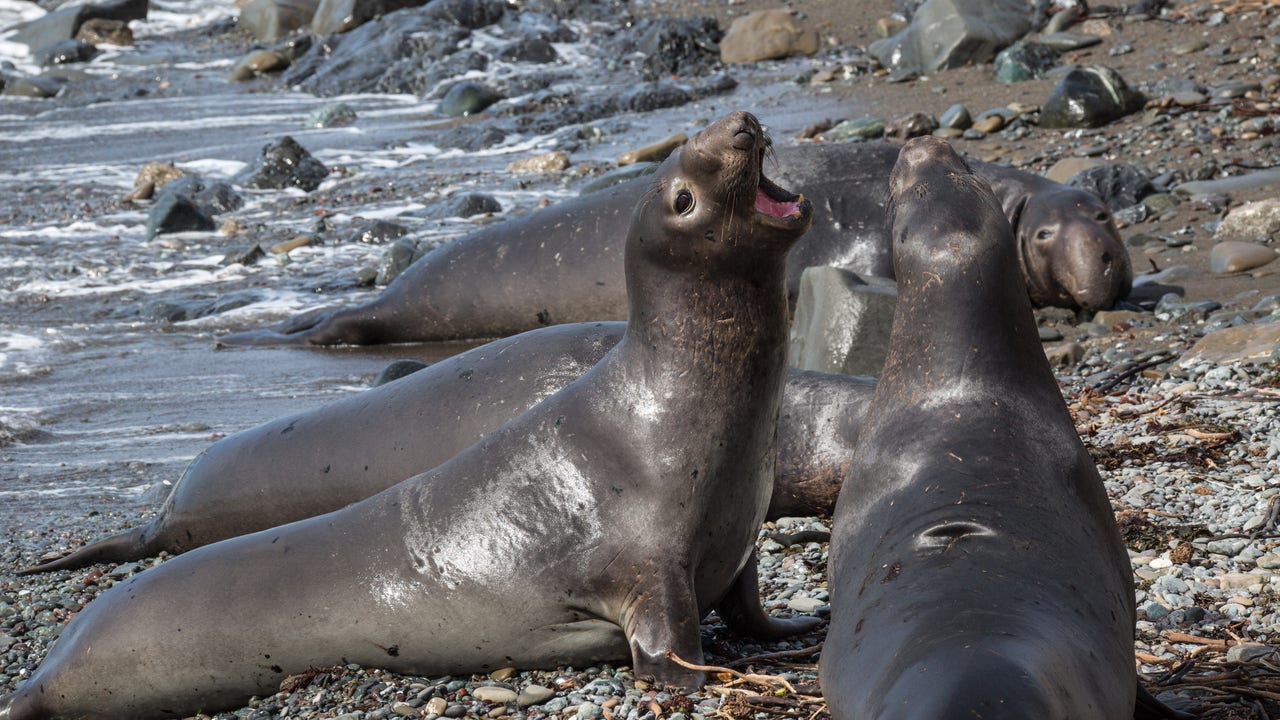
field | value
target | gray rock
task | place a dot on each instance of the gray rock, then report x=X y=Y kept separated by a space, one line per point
x=464 y=206
x=1089 y=97
x=841 y=323
x=1254 y=221
x=951 y=33
x=956 y=117
x=36 y=86
x=866 y=128
x=534 y=695
x=467 y=98
x=684 y=47
x=533 y=49
x=493 y=694
x=397 y=259
x=909 y=126
x=285 y=163
x=1176 y=309
x=65 y=22
x=377 y=232
x=270 y=20
x=332 y=115
x=212 y=197
x=65 y=52
x=1249 y=653
x=174 y=212
x=1119 y=186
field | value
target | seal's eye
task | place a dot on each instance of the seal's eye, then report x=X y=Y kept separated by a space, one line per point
x=1102 y=217
x=684 y=201
x=1044 y=234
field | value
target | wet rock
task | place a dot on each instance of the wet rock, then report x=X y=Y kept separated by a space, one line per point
x=283 y=164
x=765 y=35
x=1024 y=60
x=1089 y=97
x=554 y=161
x=65 y=22
x=65 y=52
x=656 y=152
x=533 y=49
x=1172 y=306
x=270 y=20
x=377 y=232
x=677 y=46
x=212 y=197
x=258 y=62
x=294 y=47
x=151 y=177
x=36 y=86
x=339 y=16
x=471 y=138
x=1233 y=256
x=534 y=695
x=464 y=206
x=1118 y=185
x=469 y=14
x=332 y=115
x=1250 y=344
x=408 y=51
x=956 y=117
x=951 y=33
x=866 y=128
x=397 y=259
x=395 y=371
x=104 y=31
x=245 y=256
x=909 y=126
x=174 y=212
x=841 y=323
x=1256 y=220
x=656 y=96
x=467 y=98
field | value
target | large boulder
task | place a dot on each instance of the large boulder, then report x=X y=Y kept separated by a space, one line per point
x=64 y=23
x=283 y=164
x=764 y=35
x=1089 y=97
x=339 y=16
x=270 y=20
x=951 y=33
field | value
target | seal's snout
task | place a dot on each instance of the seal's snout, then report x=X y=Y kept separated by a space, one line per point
x=745 y=139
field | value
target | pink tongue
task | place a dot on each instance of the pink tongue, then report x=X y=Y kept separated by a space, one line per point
x=773 y=208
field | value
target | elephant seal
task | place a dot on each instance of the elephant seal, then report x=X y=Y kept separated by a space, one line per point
x=310 y=463
x=975 y=566
x=563 y=264
x=600 y=524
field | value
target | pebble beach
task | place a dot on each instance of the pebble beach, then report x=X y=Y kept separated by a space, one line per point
x=1176 y=393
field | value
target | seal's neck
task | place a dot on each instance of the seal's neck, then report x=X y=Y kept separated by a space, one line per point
x=964 y=323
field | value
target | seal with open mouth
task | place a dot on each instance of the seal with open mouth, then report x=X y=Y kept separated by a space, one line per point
x=600 y=524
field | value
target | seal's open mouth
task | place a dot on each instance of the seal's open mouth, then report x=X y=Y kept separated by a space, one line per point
x=778 y=203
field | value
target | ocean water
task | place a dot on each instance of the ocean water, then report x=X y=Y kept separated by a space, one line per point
x=101 y=397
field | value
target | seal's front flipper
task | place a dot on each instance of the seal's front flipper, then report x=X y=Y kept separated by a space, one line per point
x=1149 y=708
x=741 y=611
x=664 y=617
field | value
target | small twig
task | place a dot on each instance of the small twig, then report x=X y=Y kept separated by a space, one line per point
x=748 y=677
x=811 y=650
x=1135 y=368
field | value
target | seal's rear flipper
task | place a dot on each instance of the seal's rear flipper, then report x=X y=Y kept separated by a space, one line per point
x=740 y=609
x=1149 y=708
x=128 y=545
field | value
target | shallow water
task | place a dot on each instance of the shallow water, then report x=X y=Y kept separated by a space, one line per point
x=100 y=397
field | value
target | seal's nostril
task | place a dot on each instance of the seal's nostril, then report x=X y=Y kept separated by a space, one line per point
x=744 y=140
x=1106 y=258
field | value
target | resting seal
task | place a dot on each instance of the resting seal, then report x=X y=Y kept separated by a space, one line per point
x=564 y=263
x=600 y=524
x=975 y=565
x=309 y=463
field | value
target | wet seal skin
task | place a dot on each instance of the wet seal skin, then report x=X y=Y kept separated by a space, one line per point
x=563 y=264
x=975 y=565
x=306 y=464
x=601 y=524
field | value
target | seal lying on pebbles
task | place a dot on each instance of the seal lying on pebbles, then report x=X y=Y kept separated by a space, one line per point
x=600 y=524
x=976 y=569
x=306 y=464
x=564 y=264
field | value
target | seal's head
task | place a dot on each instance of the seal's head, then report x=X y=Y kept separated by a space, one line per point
x=929 y=173
x=1070 y=251
x=712 y=202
